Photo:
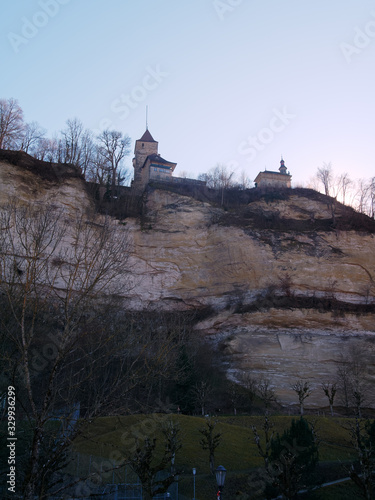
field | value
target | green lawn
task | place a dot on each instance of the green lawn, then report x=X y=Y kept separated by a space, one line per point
x=114 y=437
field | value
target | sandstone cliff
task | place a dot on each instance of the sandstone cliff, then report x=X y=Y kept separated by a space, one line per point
x=289 y=279
x=25 y=179
x=293 y=295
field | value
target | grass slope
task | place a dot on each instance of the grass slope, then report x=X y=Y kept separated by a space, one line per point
x=114 y=438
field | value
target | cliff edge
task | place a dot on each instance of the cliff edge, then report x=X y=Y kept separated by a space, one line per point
x=288 y=276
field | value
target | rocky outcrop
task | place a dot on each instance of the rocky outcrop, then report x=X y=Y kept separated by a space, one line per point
x=289 y=277
x=290 y=302
x=287 y=345
x=191 y=252
x=25 y=179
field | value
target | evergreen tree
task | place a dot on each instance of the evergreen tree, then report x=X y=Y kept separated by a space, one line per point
x=293 y=457
x=363 y=474
x=185 y=379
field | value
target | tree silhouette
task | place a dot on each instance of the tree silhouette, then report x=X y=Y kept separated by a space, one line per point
x=293 y=456
x=210 y=441
x=303 y=391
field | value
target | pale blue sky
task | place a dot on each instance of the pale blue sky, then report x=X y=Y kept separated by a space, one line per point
x=229 y=81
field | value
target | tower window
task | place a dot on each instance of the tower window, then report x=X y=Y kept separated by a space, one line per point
x=143 y=144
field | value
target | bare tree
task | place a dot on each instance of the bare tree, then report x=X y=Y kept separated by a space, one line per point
x=32 y=135
x=344 y=182
x=234 y=395
x=71 y=141
x=78 y=147
x=202 y=392
x=359 y=194
x=264 y=451
x=303 y=391
x=351 y=374
x=362 y=195
x=47 y=149
x=244 y=181
x=219 y=178
x=330 y=391
x=324 y=175
x=250 y=384
x=362 y=437
x=113 y=147
x=11 y=123
x=266 y=392
x=248 y=381
x=359 y=386
x=210 y=441
x=99 y=171
x=147 y=465
x=225 y=179
x=171 y=431
x=69 y=355
x=87 y=153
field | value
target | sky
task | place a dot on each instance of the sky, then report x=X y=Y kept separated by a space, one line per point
x=235 y=82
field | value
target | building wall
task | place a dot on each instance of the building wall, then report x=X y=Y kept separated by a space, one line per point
x=268 y=179
x=156 y=172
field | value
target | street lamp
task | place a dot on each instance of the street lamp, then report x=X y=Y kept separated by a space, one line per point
x=220 y=478
x=194 y=472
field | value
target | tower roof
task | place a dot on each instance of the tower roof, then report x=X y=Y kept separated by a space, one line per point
x=147 y=137
x=282 y=168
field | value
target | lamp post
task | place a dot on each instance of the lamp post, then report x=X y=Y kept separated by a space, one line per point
x=194 y=472
x=220 y=478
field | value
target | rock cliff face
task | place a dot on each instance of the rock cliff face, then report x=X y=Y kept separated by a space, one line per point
x=279 y=278
x=198 y=254
x=25 y=179
x=289 y=279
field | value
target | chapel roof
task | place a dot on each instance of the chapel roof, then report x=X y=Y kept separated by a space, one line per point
x=274 y=172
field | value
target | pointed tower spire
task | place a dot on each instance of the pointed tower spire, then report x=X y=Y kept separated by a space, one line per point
x=282 y=168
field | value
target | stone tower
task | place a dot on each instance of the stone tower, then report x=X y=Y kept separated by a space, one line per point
x=144 y=147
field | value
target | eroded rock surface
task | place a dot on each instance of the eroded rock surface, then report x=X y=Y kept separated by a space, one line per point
x=187 y=254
